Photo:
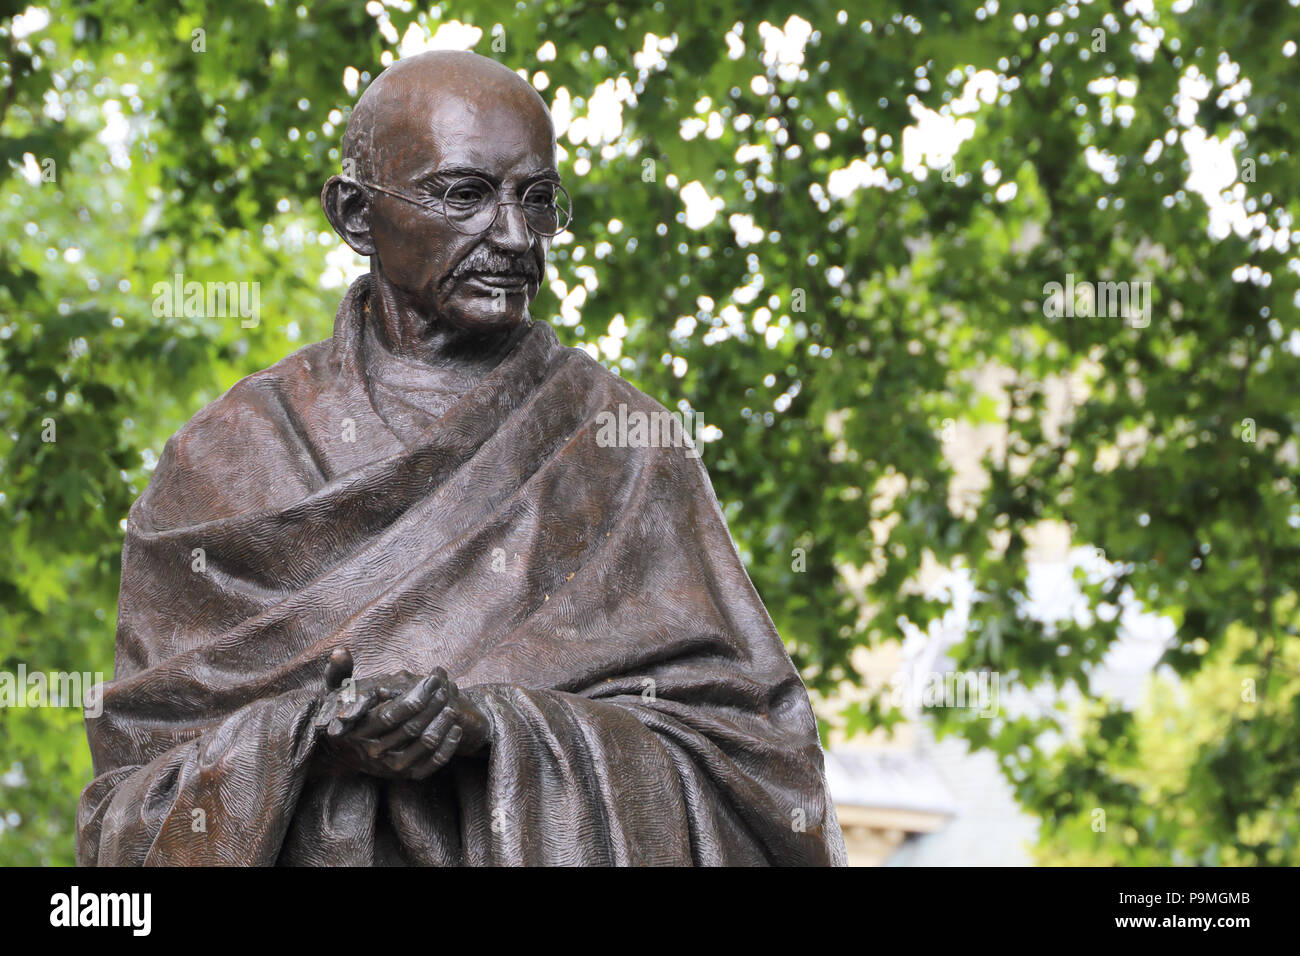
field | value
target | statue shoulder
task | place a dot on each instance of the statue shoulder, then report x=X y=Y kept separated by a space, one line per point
x=627 y=418
x=614 y=388
x=240 y=452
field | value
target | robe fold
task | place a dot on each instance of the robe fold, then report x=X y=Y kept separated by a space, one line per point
x=644 y=710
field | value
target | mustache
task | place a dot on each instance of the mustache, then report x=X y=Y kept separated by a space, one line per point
x=493 y=263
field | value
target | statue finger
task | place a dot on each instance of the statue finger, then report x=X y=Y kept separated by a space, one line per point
x=388 y=716
x=439 y=758
x=409 y=703
x=425 y=746
x=391 y=743
x=372 y=747
x=399 y=761
x=411 y=729
x=450 y=742
x=353 y=710
x=436 y=732
x=339 y=667
x=328 y=711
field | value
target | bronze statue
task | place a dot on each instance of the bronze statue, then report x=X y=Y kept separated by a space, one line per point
x=390 y=601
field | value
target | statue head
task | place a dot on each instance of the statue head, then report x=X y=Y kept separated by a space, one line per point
x=450 y=187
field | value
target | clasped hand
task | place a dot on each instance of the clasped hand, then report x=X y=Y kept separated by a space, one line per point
x=397 y=725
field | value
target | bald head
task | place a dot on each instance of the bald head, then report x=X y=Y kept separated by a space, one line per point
x=432 y=136
x=444 y=95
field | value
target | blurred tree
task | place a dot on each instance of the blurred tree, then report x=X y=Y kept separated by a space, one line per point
x=832 y=286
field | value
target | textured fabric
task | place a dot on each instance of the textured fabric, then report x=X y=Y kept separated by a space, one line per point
x=644 y=709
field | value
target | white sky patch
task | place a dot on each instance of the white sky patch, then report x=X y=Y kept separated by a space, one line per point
x=747 y=233
x=755 y=152
x=981 y=88
x=31 y=170
x=605 y=110
x=561 y=111
x=735 y=45
x=783 y=47
x=571 y=305
x=342 y=267
x=116 y=134
x=701 y=208
x=1053 y=595
x=1213 y=176
x=683 y=328
x=651 y=56
x=602 y=123
x=859 y=174
x=748 y=292
x=32 y=20
x=386 y=28
x=611 y=344
x=589 y=278
x=450 y=35
x=733 y=320
x=571 y=302
x=1112 y=84
x=1213 y=167
x=691 y=127
x=732 y=325
x=1103 y=163
x=54 y=108
x=934 y=140
x=1193 y=86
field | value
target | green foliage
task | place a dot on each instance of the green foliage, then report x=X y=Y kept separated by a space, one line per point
x=832 y=433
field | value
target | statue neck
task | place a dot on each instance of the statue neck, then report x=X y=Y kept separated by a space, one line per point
x=410 y=333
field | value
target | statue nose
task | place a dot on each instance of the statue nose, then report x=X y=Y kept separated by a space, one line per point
x=510 y=231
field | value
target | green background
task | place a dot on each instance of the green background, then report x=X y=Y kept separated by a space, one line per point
x=219 y=175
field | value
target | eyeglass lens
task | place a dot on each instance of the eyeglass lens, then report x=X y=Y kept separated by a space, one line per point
x=470 y=205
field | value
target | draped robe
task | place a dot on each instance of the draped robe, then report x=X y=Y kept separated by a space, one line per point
x=643 y=707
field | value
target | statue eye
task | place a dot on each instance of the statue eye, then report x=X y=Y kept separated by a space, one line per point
x=540 y=198
x=468 y=194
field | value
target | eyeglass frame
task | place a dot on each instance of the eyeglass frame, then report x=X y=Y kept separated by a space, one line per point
x=496 y=192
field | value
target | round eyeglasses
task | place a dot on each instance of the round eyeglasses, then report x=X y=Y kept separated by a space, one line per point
x=470 y=205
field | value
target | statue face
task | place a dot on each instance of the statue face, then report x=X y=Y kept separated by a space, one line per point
x=501 y=134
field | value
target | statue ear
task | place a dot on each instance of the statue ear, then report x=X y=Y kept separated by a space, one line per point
x=347 y=206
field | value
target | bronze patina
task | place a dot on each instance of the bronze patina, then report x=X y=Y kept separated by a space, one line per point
x=391 y=601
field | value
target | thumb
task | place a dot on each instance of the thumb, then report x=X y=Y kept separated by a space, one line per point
x=339 y=668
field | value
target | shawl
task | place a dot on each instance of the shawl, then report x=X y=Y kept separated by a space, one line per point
x=644 y=709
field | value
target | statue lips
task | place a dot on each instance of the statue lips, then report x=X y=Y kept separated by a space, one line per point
x=488 y=272
x=494 y=282
x=515 y=282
